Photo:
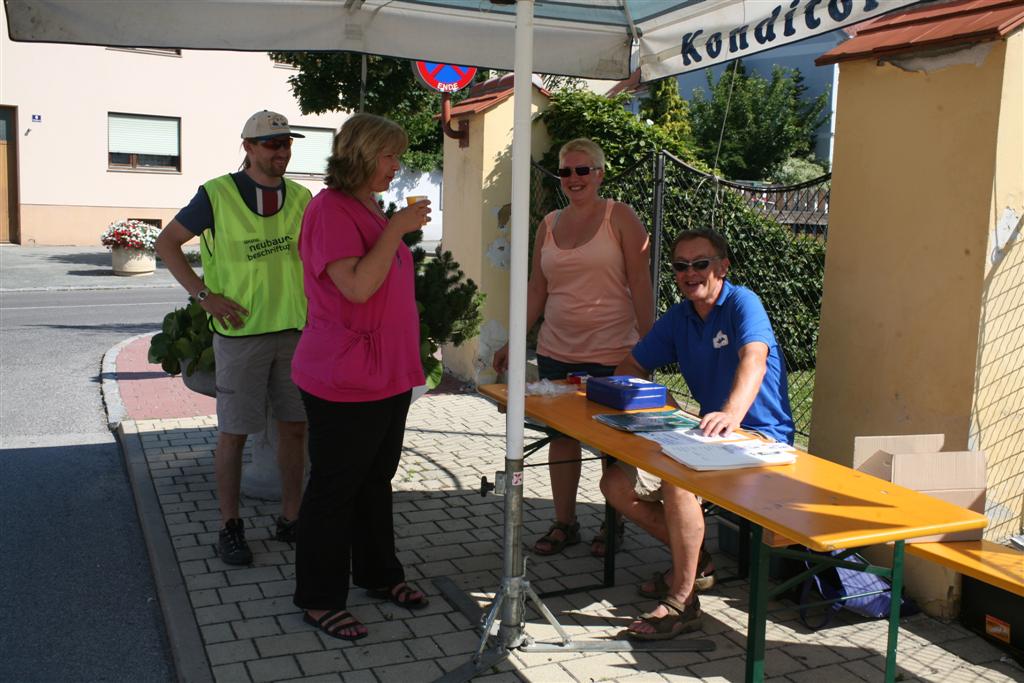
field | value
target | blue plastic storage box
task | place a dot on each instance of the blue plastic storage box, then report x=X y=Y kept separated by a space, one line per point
x=625 y=392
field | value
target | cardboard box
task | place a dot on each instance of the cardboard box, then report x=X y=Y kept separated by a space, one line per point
x=916 y=463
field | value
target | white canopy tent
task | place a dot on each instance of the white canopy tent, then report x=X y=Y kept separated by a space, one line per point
x=603 y=39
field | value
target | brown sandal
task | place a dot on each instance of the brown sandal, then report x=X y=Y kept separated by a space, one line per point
x=570 y=536
x=598 y=546
x=680 y=619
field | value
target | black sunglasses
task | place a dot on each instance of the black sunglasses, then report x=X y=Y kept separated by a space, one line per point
x=566 y=171
x=275 y=143
x=699 y=265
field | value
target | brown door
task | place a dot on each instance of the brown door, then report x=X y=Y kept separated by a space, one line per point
x=8 y=175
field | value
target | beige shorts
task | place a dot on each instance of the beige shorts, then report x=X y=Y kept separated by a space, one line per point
x=251 y=370
x=646 y=486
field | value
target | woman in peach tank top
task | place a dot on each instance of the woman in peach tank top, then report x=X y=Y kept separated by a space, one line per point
x=590 y=279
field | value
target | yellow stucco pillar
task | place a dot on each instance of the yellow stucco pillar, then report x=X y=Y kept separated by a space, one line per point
x=477 y=190
x=922 y=328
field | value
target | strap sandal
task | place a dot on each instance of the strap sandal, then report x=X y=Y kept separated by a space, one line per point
x=705 y=572
x=654 y=589
x=680 y=619
x=600 y=542
x=657 y=586
x=401 y=594
x=334 y=622
x=569 y=534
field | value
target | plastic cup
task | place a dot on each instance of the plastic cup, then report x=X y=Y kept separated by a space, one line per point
x=416 y=199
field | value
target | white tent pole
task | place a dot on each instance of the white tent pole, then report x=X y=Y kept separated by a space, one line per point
x=512 y=616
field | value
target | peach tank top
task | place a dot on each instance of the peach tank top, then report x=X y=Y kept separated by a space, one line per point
x=589 y=315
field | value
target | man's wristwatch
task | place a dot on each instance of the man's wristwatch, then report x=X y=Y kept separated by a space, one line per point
x=202 y=294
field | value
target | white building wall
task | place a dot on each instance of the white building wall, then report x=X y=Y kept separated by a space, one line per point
x=67 y=194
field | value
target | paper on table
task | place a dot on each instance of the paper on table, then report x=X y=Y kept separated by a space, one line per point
x=690 y=437
x=697 y=435
x=721 y=456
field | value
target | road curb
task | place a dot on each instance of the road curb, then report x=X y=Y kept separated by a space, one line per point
x=183 y=635
x=13 y=290
x=116 y=411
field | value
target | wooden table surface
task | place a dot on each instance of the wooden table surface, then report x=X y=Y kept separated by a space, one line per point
x=814 y=502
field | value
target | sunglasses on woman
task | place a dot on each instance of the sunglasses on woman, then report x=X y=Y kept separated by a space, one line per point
x=700 y=265
x=276 y=143
x=566 y=171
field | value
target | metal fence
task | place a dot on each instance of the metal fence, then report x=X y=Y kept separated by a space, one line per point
x=777 y=238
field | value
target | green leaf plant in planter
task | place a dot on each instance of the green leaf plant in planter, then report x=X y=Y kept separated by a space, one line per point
x=185 y=344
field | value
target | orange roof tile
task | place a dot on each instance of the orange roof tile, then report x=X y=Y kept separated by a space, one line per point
x=929 y=26
x=487 y=95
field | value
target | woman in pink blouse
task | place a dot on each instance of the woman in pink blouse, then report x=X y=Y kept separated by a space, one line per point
x=355 y=364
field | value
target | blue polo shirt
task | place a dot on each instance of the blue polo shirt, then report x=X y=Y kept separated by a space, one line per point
x=707 y=352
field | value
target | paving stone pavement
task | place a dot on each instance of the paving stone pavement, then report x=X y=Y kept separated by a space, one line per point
x=242 y=624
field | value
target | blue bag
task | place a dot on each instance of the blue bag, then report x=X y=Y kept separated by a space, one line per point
x=835 y=583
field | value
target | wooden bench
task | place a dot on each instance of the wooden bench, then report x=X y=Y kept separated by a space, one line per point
x=985 y=561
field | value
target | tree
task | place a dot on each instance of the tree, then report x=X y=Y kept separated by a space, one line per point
x=767 y=121
x=624 y=138
x=332 y=81
x=664 y=107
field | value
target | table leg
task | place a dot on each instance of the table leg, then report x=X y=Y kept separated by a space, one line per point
x=611 y=542
x=758 y=611
x=895 y=600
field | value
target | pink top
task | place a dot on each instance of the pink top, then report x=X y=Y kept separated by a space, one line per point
x=353 y=352
x=589 y=315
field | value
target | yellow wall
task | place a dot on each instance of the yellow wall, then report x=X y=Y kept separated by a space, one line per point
x=51 y=224
x=477 y=190
x=998 y=426
x=908 y=226
x=921 y=324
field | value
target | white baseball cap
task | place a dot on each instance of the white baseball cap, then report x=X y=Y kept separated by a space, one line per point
x=267 y=124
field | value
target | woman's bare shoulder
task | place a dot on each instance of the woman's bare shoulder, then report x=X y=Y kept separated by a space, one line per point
x=623 y=217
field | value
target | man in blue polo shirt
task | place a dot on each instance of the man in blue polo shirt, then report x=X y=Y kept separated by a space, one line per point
x=723 y=342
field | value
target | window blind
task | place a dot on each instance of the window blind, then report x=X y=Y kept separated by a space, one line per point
x=309 y=154
x=133 y=134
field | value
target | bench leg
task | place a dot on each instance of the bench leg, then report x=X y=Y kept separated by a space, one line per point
x=758 y=610
x=896 y=598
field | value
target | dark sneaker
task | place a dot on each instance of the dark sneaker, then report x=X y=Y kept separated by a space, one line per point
x=284 y=529
x=231 y=546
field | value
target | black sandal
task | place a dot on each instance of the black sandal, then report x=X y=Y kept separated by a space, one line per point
x=399 y=595
x=570 y=536
x=333 y=622
x=599 y=545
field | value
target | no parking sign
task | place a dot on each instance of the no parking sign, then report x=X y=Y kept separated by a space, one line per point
x=444 y=77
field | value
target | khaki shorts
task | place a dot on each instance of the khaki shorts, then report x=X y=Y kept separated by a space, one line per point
x=251 y=370
x=646 y=486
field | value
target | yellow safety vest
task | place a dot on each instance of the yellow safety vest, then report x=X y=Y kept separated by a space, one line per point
x=254 y=259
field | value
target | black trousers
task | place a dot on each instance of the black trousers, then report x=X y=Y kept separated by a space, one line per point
x=346 y=525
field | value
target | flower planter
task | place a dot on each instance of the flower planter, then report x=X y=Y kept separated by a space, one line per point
x=129 y=262
x=201 y=381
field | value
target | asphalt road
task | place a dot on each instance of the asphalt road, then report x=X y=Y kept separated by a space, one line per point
x=78 y=602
